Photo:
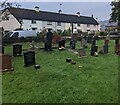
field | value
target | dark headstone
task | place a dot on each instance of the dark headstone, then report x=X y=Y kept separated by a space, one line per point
x=29 y=58
x=49 y=36
x=48 y=46
x=117 y=49
x=116 y=41
x=1 y=49
x=61 y=43
x=48 y=42
x=89 y=39
x=94 y=40
x=93 y=50
x=72 y=44
x=105 y=49
x=17 y=49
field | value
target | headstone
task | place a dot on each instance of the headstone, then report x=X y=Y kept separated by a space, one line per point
x=6 y=61
x=29 y=58
x=116 y=41
x=1 y=49
x=17 y=49
x=94 y=40
x=82 y=52
x=93 y=50
x=83 y=43
x=105 y=49
x=72 y=44
x=48 y=46
x=117 y=49
x=48 y=42
x=89 y=39
x=61 y=43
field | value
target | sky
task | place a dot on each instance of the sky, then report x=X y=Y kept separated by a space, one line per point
x=100 y=10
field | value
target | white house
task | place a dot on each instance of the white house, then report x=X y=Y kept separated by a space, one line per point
x=13 y=18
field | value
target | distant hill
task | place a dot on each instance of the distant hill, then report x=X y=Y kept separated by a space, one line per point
x=103 y=24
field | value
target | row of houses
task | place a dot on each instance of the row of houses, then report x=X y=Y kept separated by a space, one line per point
x=27 y=19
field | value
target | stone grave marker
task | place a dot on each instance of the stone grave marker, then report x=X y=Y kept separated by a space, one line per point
x=72 y=44
x=17 y=49
x=29 y=58
x=93 y=50
x=6 y=63
x=82 y=52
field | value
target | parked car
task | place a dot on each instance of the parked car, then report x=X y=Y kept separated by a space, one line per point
x=22 y=33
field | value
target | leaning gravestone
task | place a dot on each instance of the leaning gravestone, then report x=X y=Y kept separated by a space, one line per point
x=82 y=52
x=72 y=44
x=29 y=58
x=6 y=63
x=17 y=49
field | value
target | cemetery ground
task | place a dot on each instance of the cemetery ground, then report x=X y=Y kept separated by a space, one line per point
x=91 y=80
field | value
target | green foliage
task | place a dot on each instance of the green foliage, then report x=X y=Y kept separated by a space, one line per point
x=115 y=15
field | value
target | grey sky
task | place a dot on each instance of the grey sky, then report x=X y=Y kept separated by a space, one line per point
x=101 y=10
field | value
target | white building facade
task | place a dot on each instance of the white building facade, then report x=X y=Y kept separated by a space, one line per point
x=13 y=22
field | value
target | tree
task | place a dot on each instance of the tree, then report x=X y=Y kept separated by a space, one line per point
x=115 y=15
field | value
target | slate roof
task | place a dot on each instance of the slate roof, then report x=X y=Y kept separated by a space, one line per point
x=21 y=13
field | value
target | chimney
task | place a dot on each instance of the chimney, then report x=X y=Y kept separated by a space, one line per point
x=37 y=9
x=60 y=11
x=78 y=14
x=92 y=15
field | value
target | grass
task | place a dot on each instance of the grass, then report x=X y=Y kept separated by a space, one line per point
x=60 y=82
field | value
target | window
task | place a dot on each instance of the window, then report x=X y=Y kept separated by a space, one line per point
x=49 y=23
x=78 y=25
x=15 y=35
x=34 y=28
x=88 y=25
x=58 y=23
x=33 y=22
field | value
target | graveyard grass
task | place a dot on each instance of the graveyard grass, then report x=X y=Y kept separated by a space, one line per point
x=91 y=80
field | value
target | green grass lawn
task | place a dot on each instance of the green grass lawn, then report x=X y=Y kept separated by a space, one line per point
x=60 y=82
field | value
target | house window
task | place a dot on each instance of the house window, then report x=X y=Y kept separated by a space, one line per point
x=58 y=23
x=34 y=28
x=78 y=25
x=88 y=25
x=49 y=23
x=33 y=22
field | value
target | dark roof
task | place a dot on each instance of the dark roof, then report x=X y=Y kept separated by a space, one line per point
x=21 y=13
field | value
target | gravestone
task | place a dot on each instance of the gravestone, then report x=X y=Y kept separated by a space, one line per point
x=105 y=49
x=1 y=49
x=29 y=58
x=82 y=52
x=117 y=46
x=17 y=49
x=6 y=63
x=48 y=46
x=61 y=43
x=48 y=42
x=72 y=44
x=93 y=50
x=89 y=39
x=94 y=40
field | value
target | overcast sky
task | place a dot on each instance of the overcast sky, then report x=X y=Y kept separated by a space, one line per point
x=100 y=10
